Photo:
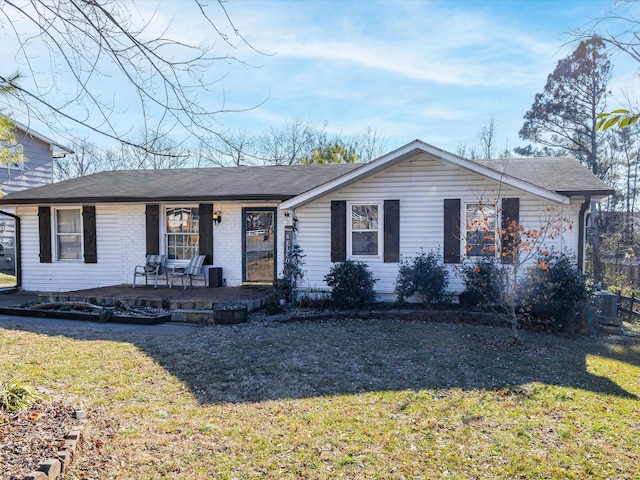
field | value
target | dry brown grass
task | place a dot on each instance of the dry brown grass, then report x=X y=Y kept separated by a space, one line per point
x=343 y=399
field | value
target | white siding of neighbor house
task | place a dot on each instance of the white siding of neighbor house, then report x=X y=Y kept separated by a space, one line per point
x=421 y=184
x=37 y=169
x=121 y=244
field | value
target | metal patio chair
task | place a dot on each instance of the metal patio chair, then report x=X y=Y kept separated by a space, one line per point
x=152 y=268
x=192 y=270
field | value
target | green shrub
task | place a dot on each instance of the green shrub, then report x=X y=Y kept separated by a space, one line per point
x=485 y=283
x=16 y=396
x=352 y=285
x=425 y=275
x=554 y=292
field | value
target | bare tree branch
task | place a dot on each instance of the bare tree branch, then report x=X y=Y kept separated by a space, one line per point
x=93 y=43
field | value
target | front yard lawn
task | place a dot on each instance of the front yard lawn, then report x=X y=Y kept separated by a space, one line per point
x=356 y=399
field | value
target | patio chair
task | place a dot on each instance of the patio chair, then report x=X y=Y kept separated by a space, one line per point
x=152 y=268
x=192 y=270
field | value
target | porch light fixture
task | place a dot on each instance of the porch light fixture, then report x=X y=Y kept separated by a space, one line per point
x=217 y=217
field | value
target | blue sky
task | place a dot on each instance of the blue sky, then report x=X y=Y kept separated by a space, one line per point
x=434 y=70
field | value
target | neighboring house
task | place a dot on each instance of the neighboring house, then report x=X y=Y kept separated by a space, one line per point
x=91 y=231
x=34 y=170
x=37 y=167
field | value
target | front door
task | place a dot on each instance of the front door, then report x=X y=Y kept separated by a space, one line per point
x=259 y=242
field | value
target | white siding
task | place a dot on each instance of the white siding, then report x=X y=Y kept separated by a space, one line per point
x=121 y=244
x=120 y=232
x=421 y=184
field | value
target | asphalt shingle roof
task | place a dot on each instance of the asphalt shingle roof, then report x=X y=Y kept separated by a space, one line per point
x=562 y=175
x=185 y=184
x=559 y=174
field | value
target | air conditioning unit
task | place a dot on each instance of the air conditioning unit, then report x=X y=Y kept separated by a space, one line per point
x=607 y=304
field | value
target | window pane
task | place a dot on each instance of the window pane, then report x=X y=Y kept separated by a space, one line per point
x=364 y=243
x=69 y=247
x=68 y=221
x=364 y=217
x=481 y=230
x=182 y=220
x=182 y=226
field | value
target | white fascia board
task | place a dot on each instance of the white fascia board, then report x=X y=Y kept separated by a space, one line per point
x=401 y=154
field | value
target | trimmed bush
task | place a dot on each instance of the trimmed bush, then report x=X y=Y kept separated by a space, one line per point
x=485 y=282
x=554 y=292
x=425 y=275
x=352 y=285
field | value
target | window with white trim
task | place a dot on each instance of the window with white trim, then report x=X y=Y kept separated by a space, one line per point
x=181 y=232
x=480 y=228
x=68 y=233
x=364 y=229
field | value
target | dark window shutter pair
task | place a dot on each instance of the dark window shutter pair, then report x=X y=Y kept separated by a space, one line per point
x=391 y=234
x=205 y=230
x=88 y=230
x=510 y=213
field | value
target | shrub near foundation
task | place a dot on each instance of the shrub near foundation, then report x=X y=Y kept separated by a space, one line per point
x=554 y=293
x=424 y=275
x=352 y=285
x=485 y=282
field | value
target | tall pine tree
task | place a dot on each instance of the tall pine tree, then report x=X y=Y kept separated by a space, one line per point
x=565 y=115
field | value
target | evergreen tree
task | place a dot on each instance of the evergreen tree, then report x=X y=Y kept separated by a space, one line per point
x=565 y=116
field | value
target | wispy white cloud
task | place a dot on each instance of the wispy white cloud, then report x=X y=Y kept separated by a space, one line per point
x=428 y=41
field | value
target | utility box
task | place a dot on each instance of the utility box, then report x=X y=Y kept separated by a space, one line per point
x=607 y=319
x=607 y=303
x=215 y=277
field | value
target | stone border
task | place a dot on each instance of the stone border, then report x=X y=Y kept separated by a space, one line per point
x=52 y=468
x=86 y=316
x=435 y=315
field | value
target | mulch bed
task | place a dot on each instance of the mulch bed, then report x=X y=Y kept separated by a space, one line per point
x=31 y=436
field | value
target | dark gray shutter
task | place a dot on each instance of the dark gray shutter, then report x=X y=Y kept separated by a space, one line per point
x=205 y=231
x=452 y=230
x=153 y=229
x=338 y=231
x=89 y=234
x=509 y=234
x=44 y=229
x=391 y=231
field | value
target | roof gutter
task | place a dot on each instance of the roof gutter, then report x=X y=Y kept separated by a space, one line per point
x=582 y=231
x=17 y=253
